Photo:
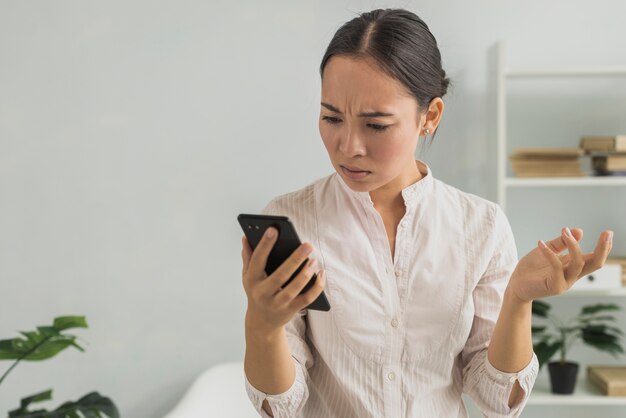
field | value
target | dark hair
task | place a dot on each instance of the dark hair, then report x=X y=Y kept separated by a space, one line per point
x=401 y=44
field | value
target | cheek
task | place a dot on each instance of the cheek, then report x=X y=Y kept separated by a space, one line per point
x=390 y=147
x=328 y=136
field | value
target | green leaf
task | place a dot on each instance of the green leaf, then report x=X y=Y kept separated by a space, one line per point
x=27 y=350
x=587 y=319
x=540 y=308
x=65 y=322
x=545 y=351
x=92 y=405
x=601 y=328
x=599 y=336
x=78 y=347
x=48 y=331
x=592 y=309
x=608 y=346
x=39 y=397
x=42 y=344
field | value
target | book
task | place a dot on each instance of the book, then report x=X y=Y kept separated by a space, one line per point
x=559 y=163
x=547 y=162
x=551 y=174
x=608 y=162
x=603 y=143
x=611 y=380
x=549 y=153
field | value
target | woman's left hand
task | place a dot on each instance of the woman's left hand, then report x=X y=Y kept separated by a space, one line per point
x=546 y=272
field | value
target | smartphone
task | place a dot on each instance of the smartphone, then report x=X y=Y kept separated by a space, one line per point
x=254 y=227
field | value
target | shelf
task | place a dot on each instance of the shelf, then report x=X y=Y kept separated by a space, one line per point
x=584 y=394
x=620 y=292
x=564 y=181
x=564 y=72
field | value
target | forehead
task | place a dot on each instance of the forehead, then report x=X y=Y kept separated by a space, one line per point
x=360 y=79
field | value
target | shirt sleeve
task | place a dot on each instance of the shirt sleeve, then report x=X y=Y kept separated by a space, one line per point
x=489 y=387
x=291 y=402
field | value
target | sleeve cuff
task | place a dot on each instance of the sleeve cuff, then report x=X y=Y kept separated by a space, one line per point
x=526 y=378
x=504 y=377
x=283 y=404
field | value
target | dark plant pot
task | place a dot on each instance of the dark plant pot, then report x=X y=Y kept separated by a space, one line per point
x=563 y=376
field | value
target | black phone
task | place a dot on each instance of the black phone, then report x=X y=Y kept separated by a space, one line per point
x=254 y=227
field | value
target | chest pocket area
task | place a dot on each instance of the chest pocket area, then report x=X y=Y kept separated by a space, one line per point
x=357 y=310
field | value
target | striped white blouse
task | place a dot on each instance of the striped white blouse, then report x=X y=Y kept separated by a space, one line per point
x=405 y=337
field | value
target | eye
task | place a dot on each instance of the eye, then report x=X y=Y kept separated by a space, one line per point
x=377 y=127
x=331 y=119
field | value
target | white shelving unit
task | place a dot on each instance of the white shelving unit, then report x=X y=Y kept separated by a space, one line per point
x=621 y=292
x=504 y=74
x=585 y=393
x=564 y=181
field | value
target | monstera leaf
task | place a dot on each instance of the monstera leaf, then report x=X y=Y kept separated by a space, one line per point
x=92 y=405
x=45 y=342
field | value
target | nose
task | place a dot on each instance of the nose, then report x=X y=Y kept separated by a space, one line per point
x=350 y=143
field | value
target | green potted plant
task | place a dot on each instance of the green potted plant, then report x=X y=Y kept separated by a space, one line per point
x=42 y=344
x=591 y=326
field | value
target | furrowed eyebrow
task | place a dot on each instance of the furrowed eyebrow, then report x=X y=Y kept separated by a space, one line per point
x=362 y=114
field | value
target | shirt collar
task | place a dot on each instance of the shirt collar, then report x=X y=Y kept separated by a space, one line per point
x=411 y=194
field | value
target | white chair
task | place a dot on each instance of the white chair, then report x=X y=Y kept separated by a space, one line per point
x=218 y=392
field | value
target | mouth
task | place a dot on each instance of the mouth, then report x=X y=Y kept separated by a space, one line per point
x=354 y=174
x=355 y=169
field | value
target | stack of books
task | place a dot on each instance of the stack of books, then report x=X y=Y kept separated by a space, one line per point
x=621 y=261
x=608 y=154
x=547 y=162
x=611 y=380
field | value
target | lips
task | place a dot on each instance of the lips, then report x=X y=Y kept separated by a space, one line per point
x=355 y=169
x=354 y=175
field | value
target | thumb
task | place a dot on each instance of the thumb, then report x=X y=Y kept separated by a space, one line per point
x=246 y=253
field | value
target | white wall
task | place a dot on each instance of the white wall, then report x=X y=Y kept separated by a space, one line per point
x=133 y=132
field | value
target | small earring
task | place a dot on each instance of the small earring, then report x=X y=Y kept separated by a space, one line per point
x=426 y=131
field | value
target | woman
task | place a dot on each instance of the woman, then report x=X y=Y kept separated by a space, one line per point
x=428 y=299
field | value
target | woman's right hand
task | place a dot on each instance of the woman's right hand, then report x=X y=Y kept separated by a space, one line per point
x=269 y=306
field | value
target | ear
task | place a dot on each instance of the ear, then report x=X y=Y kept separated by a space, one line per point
x=433 y=116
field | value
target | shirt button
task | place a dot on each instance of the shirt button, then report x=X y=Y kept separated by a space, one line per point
x=391 y=376
x=398 y=273
x=512 y=379
x=394 y=322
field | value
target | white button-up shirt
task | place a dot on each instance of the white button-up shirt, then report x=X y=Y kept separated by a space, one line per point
x=405 y=336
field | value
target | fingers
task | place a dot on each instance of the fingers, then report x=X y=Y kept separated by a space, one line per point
x=573 y=269
x=280 y=276
x=289 y=292
x=560 y=244
x=559 y=285
x=258 y=259
x=305 y=299
x=596 y=259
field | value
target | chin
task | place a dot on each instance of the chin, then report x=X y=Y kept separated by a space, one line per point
x=359 y=187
